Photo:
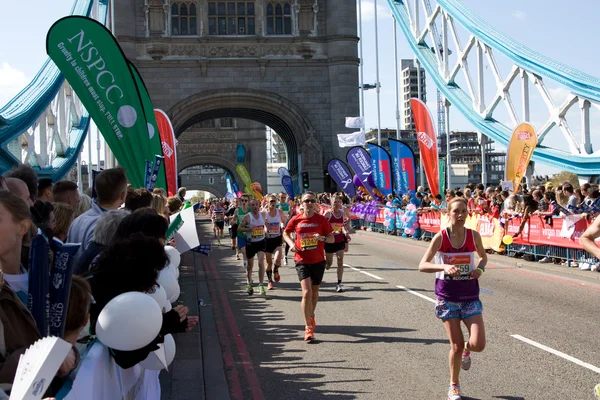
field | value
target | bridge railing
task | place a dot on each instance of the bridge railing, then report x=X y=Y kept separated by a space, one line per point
x=45 y=125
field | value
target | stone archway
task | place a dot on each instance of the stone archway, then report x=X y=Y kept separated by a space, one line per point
x=207 y=188
x=190 y=160
x=268 y=108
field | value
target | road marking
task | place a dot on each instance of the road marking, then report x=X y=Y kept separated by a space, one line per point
x=434 y=301
x=363 y=272
x=558 y=353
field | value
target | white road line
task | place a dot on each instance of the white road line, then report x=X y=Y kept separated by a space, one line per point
x=558 y=353
x=363 y=272
x=417 y=294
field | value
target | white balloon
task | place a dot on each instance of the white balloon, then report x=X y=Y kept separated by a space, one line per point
x=167 y=306
x=159 y=295
x=174 y=255
x=176 y=273
x=167 y=280
x=153 y=362
x=172 y=270
x=130 y=321
x=176 y=294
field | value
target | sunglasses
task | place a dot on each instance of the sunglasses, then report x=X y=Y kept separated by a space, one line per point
x=272 y=201
x=309 y=201
x=244 y=201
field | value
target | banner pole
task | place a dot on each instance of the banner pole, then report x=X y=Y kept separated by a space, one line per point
x=377 y=77
x=448 y=156
x=360 y=43
x=396 y=74
x=89 y=146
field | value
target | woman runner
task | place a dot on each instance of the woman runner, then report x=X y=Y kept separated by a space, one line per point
x=218 y=217
x=336 y=217
x=457 y=288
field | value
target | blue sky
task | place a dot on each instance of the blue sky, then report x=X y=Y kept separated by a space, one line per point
x=566 y=34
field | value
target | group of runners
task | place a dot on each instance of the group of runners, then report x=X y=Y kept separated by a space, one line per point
x=456 y=256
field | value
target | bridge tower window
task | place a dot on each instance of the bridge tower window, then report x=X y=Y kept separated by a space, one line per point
x=279 y=18
x=231 y=18
x=184 y=19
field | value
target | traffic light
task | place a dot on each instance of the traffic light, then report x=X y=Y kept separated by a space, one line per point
x=305 y=180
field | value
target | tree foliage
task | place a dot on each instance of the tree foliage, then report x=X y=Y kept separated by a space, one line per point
x=564 y=176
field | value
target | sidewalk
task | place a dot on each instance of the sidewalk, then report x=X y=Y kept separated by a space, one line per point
x=197 y=372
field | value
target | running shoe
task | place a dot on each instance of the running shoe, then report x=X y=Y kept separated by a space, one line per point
x=276 y=275
x=466 y=360
x=250 y=289
x=219 y=242
x=237 y=256
x=261 y=290
x=339 y=288
x=285 y=260
x=309 y=333
x=454 y=392
x=270 y=286
x=313 y=322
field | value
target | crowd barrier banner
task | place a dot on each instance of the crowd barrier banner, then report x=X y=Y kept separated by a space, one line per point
x=538 y=232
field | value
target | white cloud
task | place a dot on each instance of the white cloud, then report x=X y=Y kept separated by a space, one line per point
x=518 y=14
x=559 y=94
x=368 y=10
x=12 y=81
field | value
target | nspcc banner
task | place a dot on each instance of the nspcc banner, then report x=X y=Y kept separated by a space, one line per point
x=427 y=144
x=169 y=151
x=403 y=167
x=381 y=164
x=153 y=133
x=340 y=173
x=95 y=67
x=519 y=152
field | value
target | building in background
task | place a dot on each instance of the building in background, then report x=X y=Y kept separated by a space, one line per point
x=410 y=89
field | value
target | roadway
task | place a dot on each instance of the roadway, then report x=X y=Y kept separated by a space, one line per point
x=381 y=340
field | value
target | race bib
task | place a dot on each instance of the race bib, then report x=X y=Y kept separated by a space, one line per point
x=309 y=243
x=337 y=228
x=258 y=231
x=218 y=217
x=464 y=262
x=274 y=229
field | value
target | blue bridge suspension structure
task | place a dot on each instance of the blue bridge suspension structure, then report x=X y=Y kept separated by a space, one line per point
x=45 y=125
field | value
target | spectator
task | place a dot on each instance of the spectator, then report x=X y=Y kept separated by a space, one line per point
x=159 y=204
x=78 y=309
x=44 y=218
x=181 y=194
x=160 y=191
x=28 y=175
x=111 y=187
x=133 y=264
x=174 y=204
x=85 y=203
x=66 y=192
x=44 y=191
x=103 y=235
x=529 y=207
x=146 y=221
x=569 y=193
x=138 y=198
x=64 y=215
x=539 y=197
x=19 y=188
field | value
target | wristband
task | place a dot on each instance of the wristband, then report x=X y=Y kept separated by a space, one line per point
x=480 y=270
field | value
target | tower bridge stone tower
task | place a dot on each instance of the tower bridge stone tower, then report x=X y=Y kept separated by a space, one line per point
x=288 y=64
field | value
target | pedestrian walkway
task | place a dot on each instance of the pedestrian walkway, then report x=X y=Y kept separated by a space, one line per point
x=197 y=372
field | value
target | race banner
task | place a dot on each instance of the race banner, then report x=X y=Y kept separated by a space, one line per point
x=403 y=166
x=282 y=171
x=228 y=183
x=38 y=301
x=519 y=152
x=427 y=144
x=60 y=285
x=288 y=185
x=235 y=187
x=245 y=176
x=169 y=149
x=382 y=171
x=360 y=162
x=153 y=133
x=94 y=65
x=339 y=172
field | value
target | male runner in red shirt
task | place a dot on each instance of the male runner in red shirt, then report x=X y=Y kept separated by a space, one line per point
x=312 y=232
